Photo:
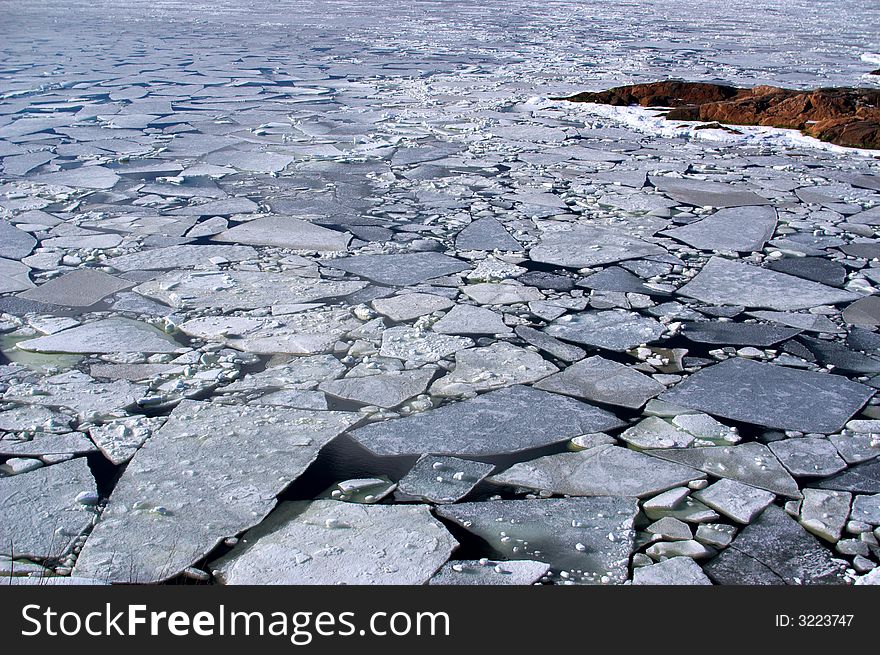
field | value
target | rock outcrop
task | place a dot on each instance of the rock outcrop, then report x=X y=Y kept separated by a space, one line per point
x=844 y=116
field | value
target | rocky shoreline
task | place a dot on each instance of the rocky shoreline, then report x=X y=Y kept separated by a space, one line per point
x=847 y=117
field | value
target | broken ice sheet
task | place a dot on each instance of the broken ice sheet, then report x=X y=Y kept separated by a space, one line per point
x=285 y=232
x=782 y=546
x=14 y=243
x=300 y=373
x=440 y=480
x=501 y=293
x=81 y=288
x=580 y=246
x=400 y=270
x=386 y=389
x=808 y=456
x=412 y=344
x=181 y=256
x=735 y=500
x=614 y=329
x=329 y=542
x=14 y=276
x=725 y=282
x=604 y=381
x=744 y=229
x=208 y=473
x=497 y=423
x=120 y=439
x=472 y=320
x=308 y=332
x=41 y=515
x=772 y=396
x=486 y=234
x=603 y=470
x=111 y=335
x=490 y=572
x=751 y=463
x=408 y=306
x=492 y=367
x=585 y=540
x=240 y=289
x=706 y=193
x=78 y=392
x=673 y=571
x=43 y=444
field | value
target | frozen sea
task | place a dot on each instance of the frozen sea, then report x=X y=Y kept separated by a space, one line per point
x=337 y=292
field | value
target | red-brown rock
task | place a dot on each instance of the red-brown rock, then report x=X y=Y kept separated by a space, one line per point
x=845 y=116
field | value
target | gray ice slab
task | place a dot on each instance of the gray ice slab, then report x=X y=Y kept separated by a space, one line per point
x=702 y=193
x=14 y=276
x=580 y=246
x=14 y=243
x=210 y=472
x=490 y=572
x=400 y=270
x=808 y=456
x=772 y=396
x=824 y=512
x=863 y=312
x=35 y=418
x=673 y=571
x=737 y=334
x=225 y=207
x=735 y=500
x=111 y=335
x=585 y=540
x=80 y=288
x=486 y=234
x=387 y=389
x=816 y=269
x=470 y=319
x=413 y=344
x=800 y=321
x=743 y=229
x=505 y=293
x=751 y=463
x=440 y=480
x=604 y=470
x=41 y=515
x=285 y=232
x=254 y=162
x=733 y=567
x=325 y=542
x=604 y=381
x=228 y=290
x=300 y=373
x=779 y=543
x=39 y=444
x=78 y=392
x=498 y=365
x=654 y=432
x=866 y=509
x=614 y=329
x=84 y=177
x=615 y=278
x=120 y=439
x=304 y=333
x=856 y=447
x=408 y=306
x=725 y=282
x=862 y=478
x=182 y=256
x=550 y=345
x=500 y=422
